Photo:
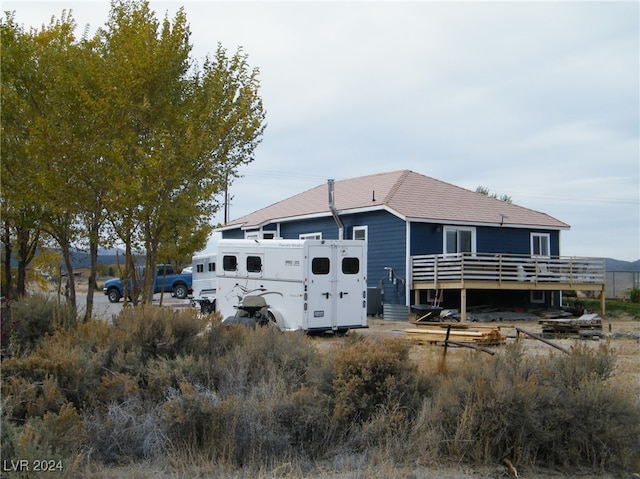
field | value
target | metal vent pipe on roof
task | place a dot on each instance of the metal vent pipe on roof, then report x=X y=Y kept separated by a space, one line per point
x=334 y=211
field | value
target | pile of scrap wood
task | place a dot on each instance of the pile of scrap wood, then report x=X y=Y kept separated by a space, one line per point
x=455 y=333
x=587 y=325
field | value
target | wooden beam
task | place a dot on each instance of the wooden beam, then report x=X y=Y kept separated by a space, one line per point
x=546 y=341
x=463 y=305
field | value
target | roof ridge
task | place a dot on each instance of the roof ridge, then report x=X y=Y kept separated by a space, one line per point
x=396 y=186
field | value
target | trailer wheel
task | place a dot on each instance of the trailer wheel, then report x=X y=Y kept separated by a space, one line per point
x=207 y=307
x=272 y=320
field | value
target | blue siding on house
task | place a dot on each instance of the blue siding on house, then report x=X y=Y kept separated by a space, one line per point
x=233 y=234
x=512 y=241
x=293 y=229
x=386 y=235
x=426 y=238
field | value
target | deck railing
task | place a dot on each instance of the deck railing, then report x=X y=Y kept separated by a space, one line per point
x=506 y=268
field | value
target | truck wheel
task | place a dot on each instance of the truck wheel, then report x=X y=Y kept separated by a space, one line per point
x=114 y=295
x=180 y=291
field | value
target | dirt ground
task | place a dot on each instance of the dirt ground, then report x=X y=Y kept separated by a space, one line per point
x=621 y=333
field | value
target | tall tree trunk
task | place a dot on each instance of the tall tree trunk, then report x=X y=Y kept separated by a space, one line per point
x=93 y=255
x=6 y=239
x=150 y=271
x=71 y=281
x=27 y=247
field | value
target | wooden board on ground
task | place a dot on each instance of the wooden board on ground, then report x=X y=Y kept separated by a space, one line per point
x=461 y=333
x=587 y=325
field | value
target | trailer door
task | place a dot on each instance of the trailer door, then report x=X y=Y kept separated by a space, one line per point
x=321 y=288
x=336 y=287
x=350 y=287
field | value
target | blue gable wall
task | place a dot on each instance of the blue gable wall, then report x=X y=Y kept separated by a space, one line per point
x=427 y=238
x=512 y=241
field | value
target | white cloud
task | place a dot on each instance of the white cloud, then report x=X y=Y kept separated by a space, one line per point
x=536 y=100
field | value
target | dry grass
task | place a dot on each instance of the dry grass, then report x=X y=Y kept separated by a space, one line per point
x=163 y=393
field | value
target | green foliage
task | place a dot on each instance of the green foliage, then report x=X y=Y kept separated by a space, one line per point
x=76 y=113
x=483 y=190
x=613 y=307
x=634 y=295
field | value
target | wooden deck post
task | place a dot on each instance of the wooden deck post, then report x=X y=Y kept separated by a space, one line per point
x=463 y=305
x=603 y=311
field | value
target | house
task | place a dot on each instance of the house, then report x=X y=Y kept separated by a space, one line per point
x=428 y=240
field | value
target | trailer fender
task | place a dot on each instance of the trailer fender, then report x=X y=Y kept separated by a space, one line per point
x=277 y=317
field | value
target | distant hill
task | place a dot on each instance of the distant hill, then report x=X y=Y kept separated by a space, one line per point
x=618 y=265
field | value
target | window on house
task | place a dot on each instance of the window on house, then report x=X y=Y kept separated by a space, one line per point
x=212 y=267
x=537 y=296
x=268 y=235
x=312 y=236
x=200 y=268
x=320 y=266
x=540 y=244
x=254 y=264
x=459 y=240
x=350 y=265
x=229 y=263
x=360 y=233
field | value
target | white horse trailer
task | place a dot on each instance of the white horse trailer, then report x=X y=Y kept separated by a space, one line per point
x=308 y=285
x=204 y=282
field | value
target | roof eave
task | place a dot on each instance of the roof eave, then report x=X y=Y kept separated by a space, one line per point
x=498 y=225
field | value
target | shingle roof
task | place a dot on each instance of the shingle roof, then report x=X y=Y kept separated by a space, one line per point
x=409 y=195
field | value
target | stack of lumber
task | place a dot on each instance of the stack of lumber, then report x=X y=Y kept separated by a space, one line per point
x=458 y=333
x=586 y=325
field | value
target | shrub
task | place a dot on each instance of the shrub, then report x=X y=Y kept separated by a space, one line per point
x=373 y=374
x=34 y=317
x=555 y=411
x=57 y=438
x=160 y=332
x=262 y=360
x=127 y=430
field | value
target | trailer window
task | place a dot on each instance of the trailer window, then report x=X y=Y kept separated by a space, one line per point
x=350 y=265
x=212 y=267
x=254 y=264
x=229 y=263
x=199 y=268
x=320 y=266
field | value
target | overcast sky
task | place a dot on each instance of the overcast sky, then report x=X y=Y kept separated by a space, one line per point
x=536 y=100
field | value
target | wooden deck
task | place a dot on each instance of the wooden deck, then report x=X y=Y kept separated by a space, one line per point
x=467 y=271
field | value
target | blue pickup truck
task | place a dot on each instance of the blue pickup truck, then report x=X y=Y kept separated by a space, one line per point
x=178 y=284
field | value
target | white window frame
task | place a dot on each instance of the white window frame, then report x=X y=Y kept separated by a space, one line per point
x=448 y=229
x=536 y=296
x=538 y=237
x=310 y=236
x=364 y=229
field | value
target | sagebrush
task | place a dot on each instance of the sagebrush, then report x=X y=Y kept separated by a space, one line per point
x=171 y=385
